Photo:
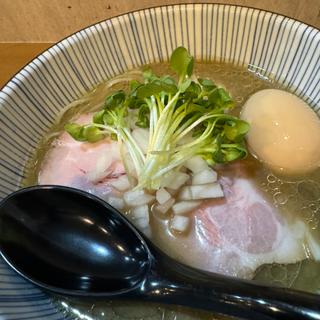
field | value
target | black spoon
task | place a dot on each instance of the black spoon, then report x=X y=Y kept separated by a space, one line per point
x=72 y=243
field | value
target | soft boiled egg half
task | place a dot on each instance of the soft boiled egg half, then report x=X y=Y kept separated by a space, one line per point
x=284 y=131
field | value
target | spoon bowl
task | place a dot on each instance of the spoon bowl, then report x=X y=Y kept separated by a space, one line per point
x=58 y=237
x=70 y=242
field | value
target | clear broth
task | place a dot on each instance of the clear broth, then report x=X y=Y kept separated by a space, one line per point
x=299 y=196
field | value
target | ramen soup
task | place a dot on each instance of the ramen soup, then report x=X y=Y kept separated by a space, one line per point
x=197 y=193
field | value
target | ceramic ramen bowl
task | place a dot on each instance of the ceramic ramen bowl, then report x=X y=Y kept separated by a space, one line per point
x=262 y=42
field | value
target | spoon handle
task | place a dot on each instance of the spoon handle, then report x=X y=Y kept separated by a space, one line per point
x=175 y=283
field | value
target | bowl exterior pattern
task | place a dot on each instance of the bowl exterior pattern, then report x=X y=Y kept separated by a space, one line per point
x=265 y=43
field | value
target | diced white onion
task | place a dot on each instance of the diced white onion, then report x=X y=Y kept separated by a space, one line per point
x=141 y=136
x=204 y=191
x=204 y=176
x=165 y=207
x=137 y=198
x=162 y=195
x=141 y=216
x=166 y=179
x=175 y=180
x=122 y=183
x=196 y=164
x=173 y=192
x=183 y=207
x=141 y=223
x=180 y=223
x=141 y=212
x=116 y=202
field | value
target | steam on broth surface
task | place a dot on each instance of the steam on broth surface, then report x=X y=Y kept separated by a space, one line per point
x=291 y=199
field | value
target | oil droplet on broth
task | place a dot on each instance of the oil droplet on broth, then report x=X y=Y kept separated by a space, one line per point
x=279 y=198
